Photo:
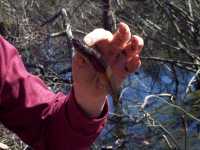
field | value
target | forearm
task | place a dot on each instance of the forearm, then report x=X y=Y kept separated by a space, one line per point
x=41 y=118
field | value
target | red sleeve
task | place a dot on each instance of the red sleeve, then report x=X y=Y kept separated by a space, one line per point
x=42 y=119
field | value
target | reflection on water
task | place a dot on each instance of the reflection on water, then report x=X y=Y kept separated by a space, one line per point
x=138 y=132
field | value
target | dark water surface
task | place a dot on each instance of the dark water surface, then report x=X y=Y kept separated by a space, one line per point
x=141 y=134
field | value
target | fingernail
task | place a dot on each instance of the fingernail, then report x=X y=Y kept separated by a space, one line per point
x=137 y=43
x=139 y=40
x=123 y=28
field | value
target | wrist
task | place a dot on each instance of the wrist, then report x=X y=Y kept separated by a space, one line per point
x=91 y=105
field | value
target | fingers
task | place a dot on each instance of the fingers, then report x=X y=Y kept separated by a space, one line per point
x=134 y=47
x=119 y=44
x=139 y=42
x=132 y=51
x=112 y=47
x=133 y=64
x=122 y=36
x=100 y=39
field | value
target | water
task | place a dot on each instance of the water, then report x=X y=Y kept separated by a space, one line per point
x=139 y=134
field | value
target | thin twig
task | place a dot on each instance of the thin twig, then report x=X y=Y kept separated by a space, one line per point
x=51 y=19
x=170 y=61
x=167 y=141
x=192 y=81
x=170 y=104
x=152 y=123
x=184 y=122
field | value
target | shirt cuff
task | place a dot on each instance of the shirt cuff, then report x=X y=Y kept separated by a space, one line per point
x=80 y=122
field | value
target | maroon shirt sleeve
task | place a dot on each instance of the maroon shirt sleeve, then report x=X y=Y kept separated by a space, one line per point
x=42 y=119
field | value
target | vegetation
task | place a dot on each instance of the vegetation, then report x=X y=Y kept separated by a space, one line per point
x=159 y=106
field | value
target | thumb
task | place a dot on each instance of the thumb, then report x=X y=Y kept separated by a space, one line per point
x=96 y=36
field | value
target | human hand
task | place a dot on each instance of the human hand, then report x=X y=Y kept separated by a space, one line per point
x=121 y=52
